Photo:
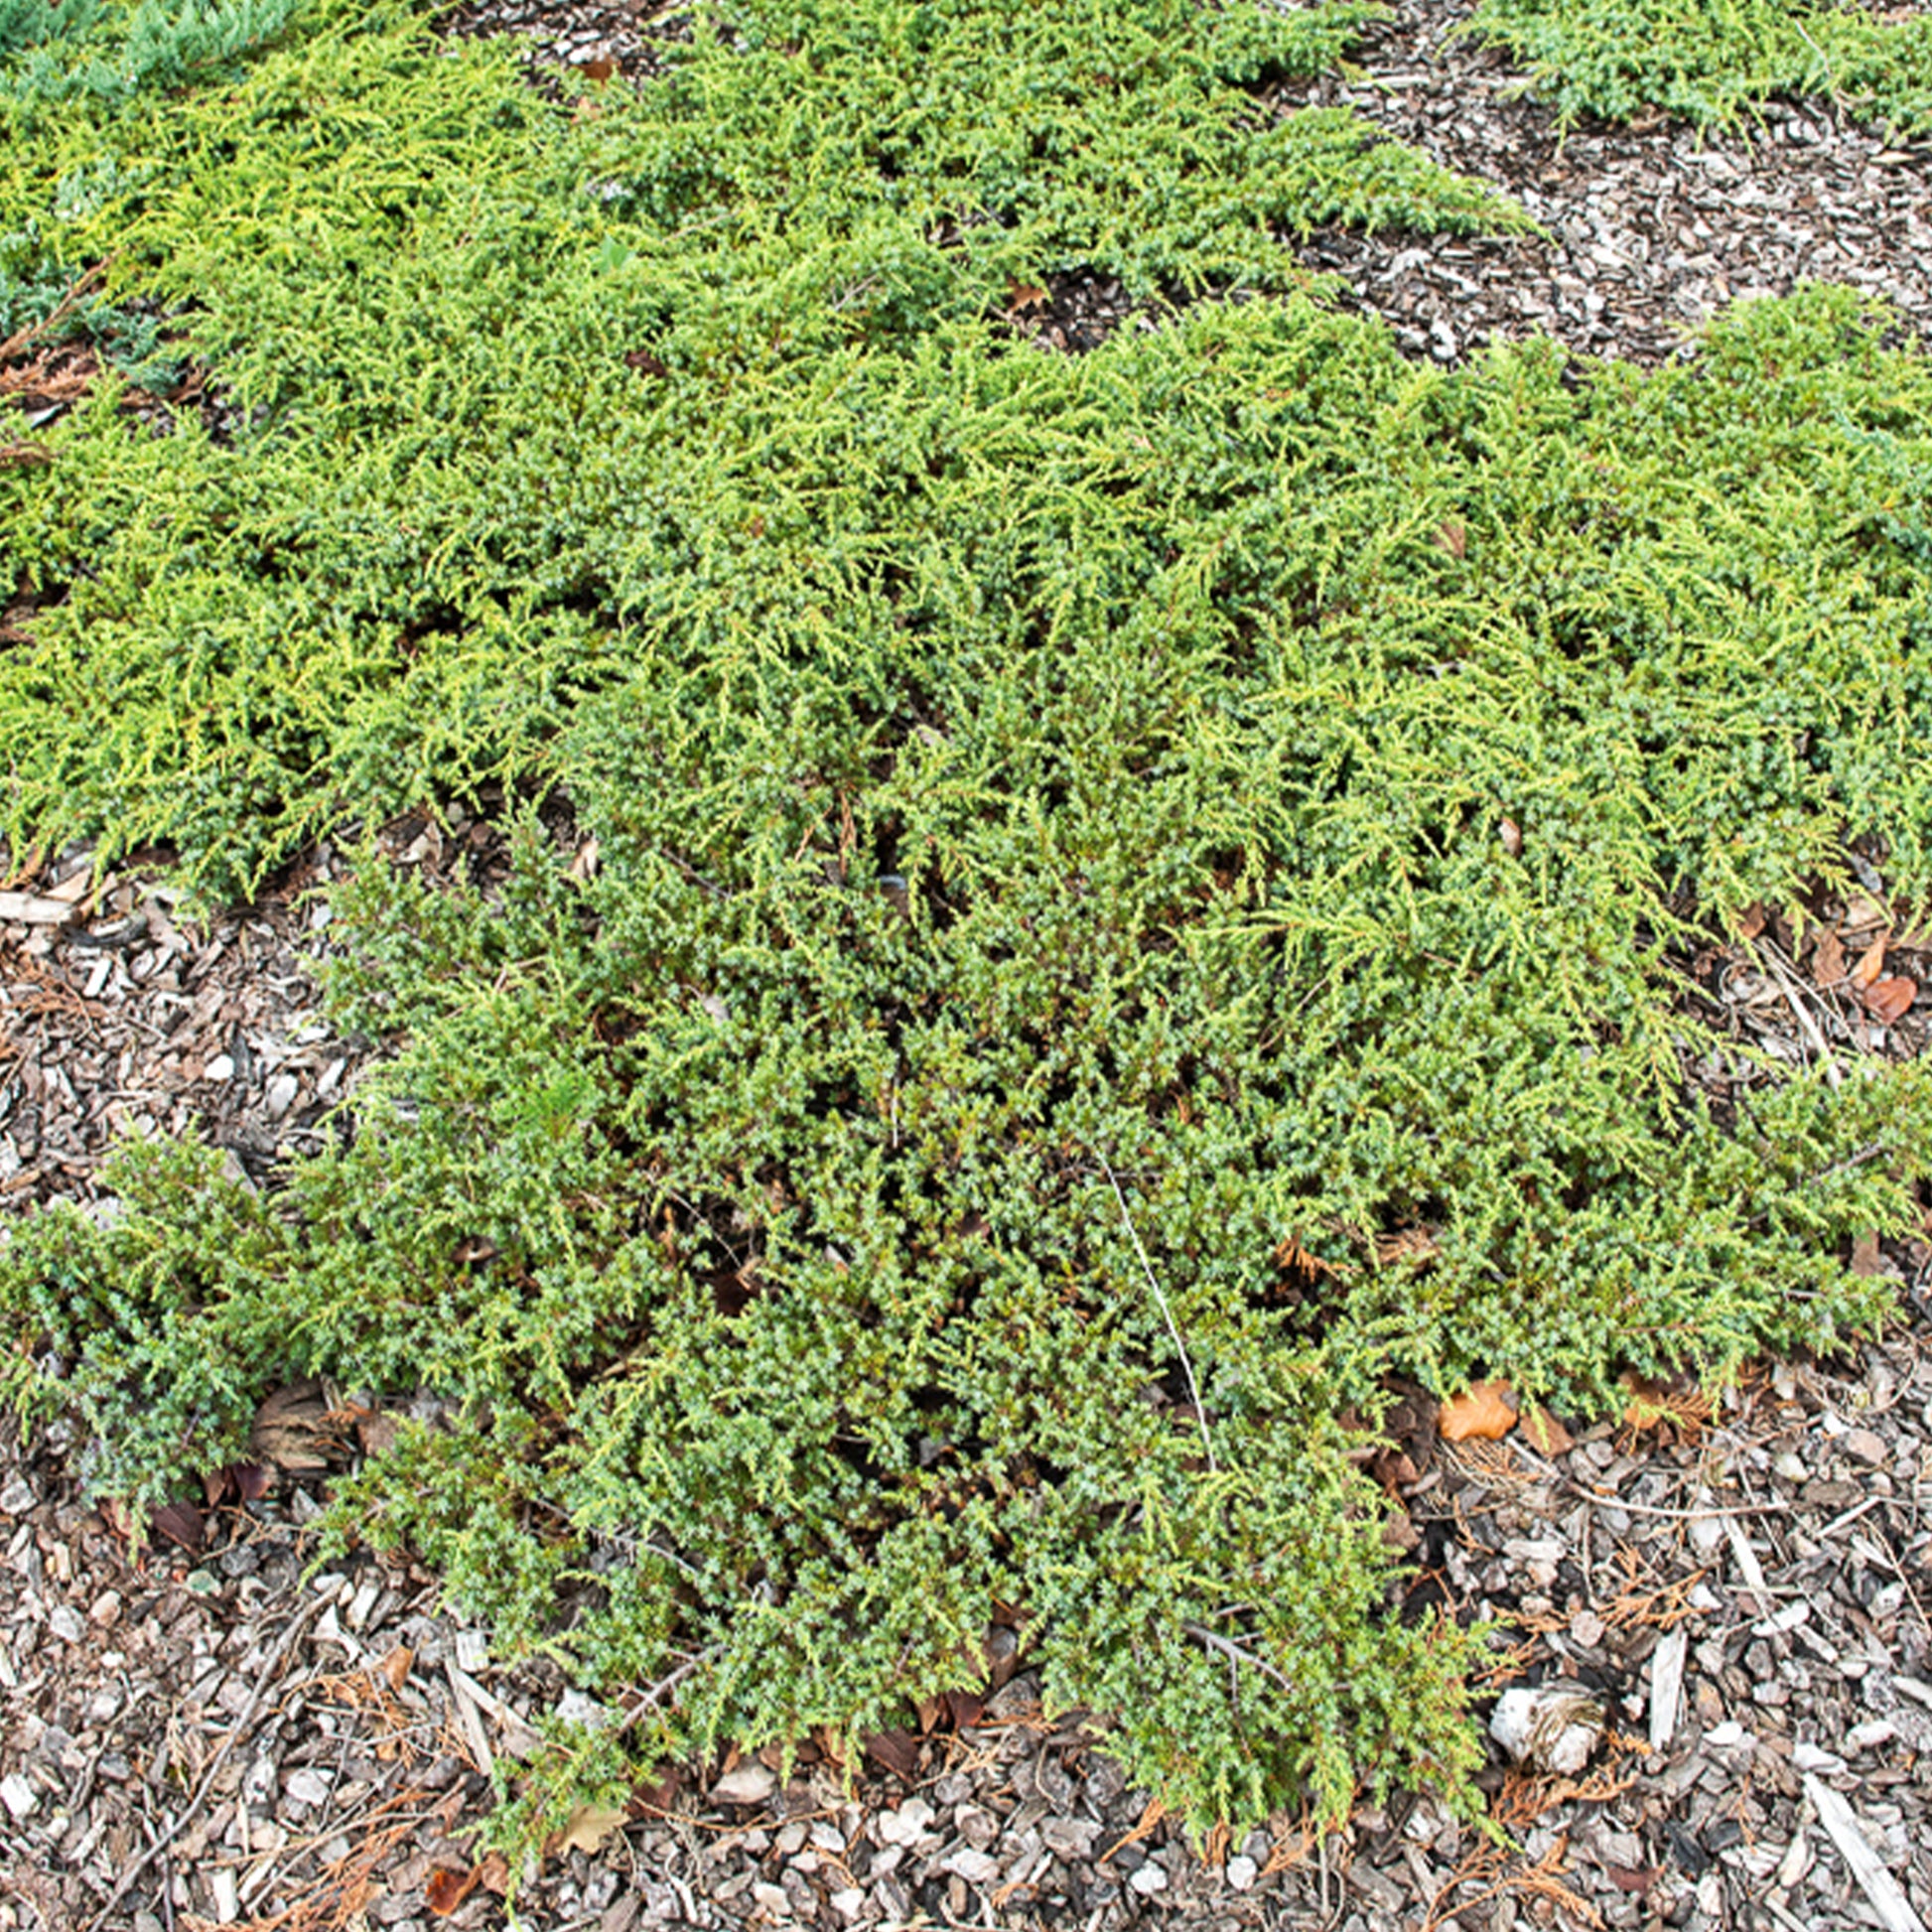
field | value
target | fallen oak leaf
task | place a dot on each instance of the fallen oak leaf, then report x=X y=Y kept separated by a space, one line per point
x=1485 y=1412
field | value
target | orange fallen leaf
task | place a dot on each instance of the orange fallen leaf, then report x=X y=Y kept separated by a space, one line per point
x=1887 y=1000
x=1753 y=921
x=1485 y=1412
x=446 y=1889
x=1872 y=964
x=396 y=1666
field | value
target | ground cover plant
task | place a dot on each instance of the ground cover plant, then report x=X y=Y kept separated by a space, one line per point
x=1718 y=61
x=1112 y=903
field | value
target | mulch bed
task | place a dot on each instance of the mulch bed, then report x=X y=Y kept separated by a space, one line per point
x=201 y=1736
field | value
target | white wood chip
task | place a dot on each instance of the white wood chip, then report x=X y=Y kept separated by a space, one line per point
x=28 y=909
x=470 y=1720
x=1749 y=1566
x=1879 y=1885
x=1667 y=1684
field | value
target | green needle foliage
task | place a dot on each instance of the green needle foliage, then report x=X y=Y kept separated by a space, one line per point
x=1051 y=925
x=1716 y=61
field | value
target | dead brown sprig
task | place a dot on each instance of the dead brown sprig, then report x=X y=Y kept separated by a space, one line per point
x=1490 y=1865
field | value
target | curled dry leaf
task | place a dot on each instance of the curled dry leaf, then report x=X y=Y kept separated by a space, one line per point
x=1871 y=963
x=1890 y=1000
x=1485 y=1412
x=396 y=1666
x=1454 y=536
x=1753 y=921
x=1511 y=835
x=446 y=1889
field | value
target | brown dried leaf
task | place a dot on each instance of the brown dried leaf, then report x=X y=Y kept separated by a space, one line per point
x=290 y=1430
x=1485 y=1412
x=1454 y=536
x=1871 y=963
x=1888 y=1000
x=493 y=1874
x=653 y=1799
x=1753 y=921
x=1827 y=962
x=896 y=1751
x=181 y=1524
x=1867 y=1257
x=446 y=1889
x=1023 y=299
x=396 y=1666
x=1511 y=835
x=586 y=1830
x=966 y=1707
x=251 y=1481
x=1544 y=1433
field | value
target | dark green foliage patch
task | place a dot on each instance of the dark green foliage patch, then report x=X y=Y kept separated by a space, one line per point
x=1050 y=927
